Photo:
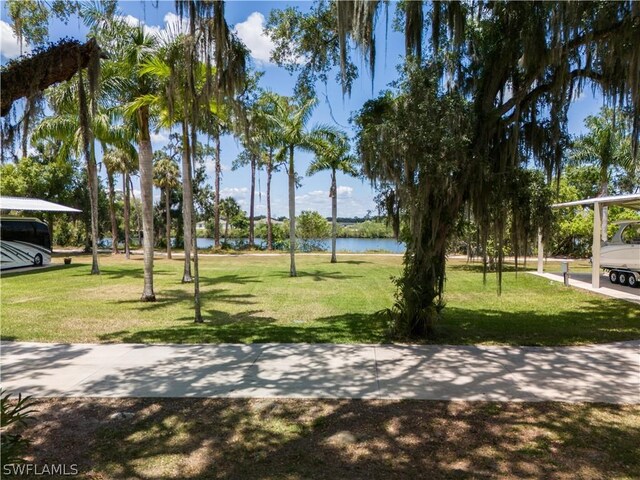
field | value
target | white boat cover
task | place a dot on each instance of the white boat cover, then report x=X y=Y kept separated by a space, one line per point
x=34 y=205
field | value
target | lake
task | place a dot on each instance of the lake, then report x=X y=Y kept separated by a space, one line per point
x=355 y=245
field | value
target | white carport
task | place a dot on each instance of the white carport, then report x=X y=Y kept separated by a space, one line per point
x=599 y=227
x=33 y=205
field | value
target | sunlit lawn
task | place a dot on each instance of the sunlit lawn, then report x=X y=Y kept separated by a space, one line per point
x=253 y=299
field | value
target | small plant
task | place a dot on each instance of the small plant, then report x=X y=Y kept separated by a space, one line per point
x=67 y=260
x=13 y=413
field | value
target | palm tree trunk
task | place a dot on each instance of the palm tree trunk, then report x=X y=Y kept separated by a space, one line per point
x=146 y=196
x=252 y=202
x=92 y=171
x=196 y=270
x=216 y=203
x=269 y=231
x=187 y=203
x=112 y=213
x=167 y=205
x=226 y=228
x=135 y=208
x=292 y=214
x=334 y=216
x=127 y=215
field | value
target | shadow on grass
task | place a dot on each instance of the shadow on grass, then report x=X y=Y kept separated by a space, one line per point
x=287 y=438
x=250 y=327
x=477 y=267
x=168 y=297
x=39 y=270
x=318 y=275
x=597 y=321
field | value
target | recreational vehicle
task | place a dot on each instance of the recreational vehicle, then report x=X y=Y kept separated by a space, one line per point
x=24 y=242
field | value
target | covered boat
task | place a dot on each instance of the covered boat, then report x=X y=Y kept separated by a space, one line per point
x=621 y=255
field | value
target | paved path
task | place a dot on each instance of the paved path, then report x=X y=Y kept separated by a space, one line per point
x=583 y=281
x=599 y=373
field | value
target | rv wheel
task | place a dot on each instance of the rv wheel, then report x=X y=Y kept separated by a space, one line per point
x=37 y=260
x=632 y=281
x=623 y=278
x=613 y=276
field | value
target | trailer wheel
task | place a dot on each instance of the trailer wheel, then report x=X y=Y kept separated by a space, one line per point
x=613 y=276
x=632 y=280
x=623 y=278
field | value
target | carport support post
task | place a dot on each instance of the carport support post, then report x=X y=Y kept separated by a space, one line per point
x=540 y=252
x=595 y=249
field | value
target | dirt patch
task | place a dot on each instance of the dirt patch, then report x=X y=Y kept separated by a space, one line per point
x=258 y=438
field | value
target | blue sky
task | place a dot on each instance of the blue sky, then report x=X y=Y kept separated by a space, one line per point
x=355 y=197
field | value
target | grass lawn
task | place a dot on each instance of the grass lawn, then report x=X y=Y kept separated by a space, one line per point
x=320 y=439
x=252 y=299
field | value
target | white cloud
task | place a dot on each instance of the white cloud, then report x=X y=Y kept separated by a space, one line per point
x=129 y=20
x=172 y=25
x=9 y=45
x=235 y=192
x=344 y=192
x=159 y=137
x=252 y=34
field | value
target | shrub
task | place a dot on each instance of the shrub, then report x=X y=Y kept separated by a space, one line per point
x=13 y=413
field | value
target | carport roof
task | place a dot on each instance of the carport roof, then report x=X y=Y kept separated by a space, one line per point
x=628 y=201
x=33 y=205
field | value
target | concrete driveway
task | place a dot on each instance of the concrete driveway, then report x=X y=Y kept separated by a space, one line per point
x=599 y=373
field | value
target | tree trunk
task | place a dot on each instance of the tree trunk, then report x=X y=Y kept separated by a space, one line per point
x=334 y=216
x=269 y=227
x=252 y=202
x=196 y=269
x=187 y=203
x=167 y=205
x=216 y=204
x=292 y=214
x=112 y=213
x=92 y=171
x=93 y=196
x=226 y=229
x=127 y=215
x=146 y=196
x=61 y=62
x=135 y=208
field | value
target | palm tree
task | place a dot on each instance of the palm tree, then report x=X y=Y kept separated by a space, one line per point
x=605 y=146
x=229 y=208
x=268 y=137
x=249 y=156
x=332 y=153
x=166 y=176
x=210 y=39
x=290 y=119
x=125 y=162
x=138 y=91
x=66 y=126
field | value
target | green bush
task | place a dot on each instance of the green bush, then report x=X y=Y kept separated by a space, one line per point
x=13 y=413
